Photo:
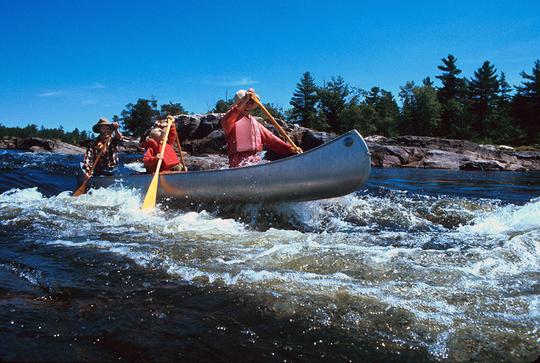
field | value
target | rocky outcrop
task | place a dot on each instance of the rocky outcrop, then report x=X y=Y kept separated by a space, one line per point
x=36 y=144
x=437 y=153
x=203 y=138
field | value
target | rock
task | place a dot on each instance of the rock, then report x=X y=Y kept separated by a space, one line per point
x=505 y=148
x=37 y=149
x=206 y=162
x=311 y=139
x=439 y=159
x=483 y=165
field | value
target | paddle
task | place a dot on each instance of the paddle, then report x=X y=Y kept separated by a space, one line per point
x=184 y=167
x=151 y=194
x=82 y=188
x=274 y=122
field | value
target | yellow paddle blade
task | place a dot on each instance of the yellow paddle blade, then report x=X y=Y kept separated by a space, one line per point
x=149 y=202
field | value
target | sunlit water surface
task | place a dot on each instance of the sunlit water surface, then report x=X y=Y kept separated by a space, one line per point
x=419 y=265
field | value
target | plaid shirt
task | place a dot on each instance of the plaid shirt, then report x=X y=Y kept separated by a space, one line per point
x=107 y=161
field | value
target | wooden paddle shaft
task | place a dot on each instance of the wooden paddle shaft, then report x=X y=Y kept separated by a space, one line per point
x=151 y=194
x=180 y=151
x=274 y=122
x=164 y=143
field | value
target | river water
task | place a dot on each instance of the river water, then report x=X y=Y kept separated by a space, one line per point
x=418 y=265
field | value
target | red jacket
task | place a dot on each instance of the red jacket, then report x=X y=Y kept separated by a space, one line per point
x=170 y=158
x=246 y=137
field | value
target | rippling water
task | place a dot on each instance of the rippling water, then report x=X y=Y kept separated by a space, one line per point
x=420 y=265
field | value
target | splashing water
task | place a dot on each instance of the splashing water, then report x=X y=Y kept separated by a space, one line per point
x=455 y=276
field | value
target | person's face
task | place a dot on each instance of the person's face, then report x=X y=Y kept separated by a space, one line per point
x=250 y=105
x=105 y=130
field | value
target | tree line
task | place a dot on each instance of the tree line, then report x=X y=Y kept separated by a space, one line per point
x=75 y=137
x=483 y=108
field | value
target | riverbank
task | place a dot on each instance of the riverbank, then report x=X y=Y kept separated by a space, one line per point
x=202 y=136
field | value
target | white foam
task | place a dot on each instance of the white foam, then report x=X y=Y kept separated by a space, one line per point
x=508 y=220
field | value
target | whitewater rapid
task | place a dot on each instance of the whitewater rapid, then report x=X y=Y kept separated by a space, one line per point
x=446 y=273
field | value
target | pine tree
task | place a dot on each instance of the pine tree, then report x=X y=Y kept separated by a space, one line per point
x=452 y=96
x=304 y=100
x=138 y=117
x=222 y=106
x=503 y=127
x=526 y=103
x=421 y=110
x=484 y=90
x=333 y=99
x=504 y=89
x=171 y=109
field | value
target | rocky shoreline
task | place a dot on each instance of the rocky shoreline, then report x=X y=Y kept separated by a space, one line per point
x=204 y=142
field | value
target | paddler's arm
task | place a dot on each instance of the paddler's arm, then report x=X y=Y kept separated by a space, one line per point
x=274 y=143
x=88 y=160
x=151 y=156
x=117 y=134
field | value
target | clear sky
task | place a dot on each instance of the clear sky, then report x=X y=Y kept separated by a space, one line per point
x=69 y=62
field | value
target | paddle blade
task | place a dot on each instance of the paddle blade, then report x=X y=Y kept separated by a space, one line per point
x=81 y=189
x=149 y=202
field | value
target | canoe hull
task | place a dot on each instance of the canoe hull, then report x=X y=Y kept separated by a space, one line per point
x=336 y=168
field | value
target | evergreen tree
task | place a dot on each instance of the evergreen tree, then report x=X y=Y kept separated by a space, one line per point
x=304 y=100
x=526 y=104
x=505 y=89
x=222 y=106
x=386 y=110
x=421 y=110
x=333 y=99
x=503 y=127
x=484 y=90
x=138 y=117
x=172 y=109
x=452 y=96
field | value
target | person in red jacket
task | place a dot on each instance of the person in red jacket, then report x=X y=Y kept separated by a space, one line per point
x=153 y=148
x=246 y=137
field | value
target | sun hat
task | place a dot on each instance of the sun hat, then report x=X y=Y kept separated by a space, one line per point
x=241 y=93
x=102 y=122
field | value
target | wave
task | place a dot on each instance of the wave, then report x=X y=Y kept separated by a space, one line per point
x=430 y=267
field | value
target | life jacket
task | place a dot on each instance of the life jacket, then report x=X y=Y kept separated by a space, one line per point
x=170 y=158
x=245 y=136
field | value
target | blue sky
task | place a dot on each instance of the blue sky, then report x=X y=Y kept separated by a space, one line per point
x=70 y=62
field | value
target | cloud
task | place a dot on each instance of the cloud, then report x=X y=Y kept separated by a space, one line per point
x=88 y=102
x=51 y=93
x=97 y=85
x=230 y=83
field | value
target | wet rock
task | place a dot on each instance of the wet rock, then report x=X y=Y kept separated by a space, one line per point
x=206 y=162
x=482 y=165
x=439 y=159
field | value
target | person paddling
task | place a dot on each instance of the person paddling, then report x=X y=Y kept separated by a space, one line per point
x=246 y=137
x=152 y=144
x=107 y=140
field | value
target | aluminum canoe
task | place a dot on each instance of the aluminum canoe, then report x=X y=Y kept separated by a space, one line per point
x=336 y=168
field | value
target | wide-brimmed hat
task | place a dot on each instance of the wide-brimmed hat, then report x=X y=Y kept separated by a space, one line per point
x=102 y=122
x=241 y=93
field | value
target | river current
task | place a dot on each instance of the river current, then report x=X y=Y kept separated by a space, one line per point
x=418 y=265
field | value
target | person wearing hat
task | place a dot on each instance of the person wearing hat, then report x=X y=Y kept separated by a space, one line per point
x=246 y=137
x=107 y=140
